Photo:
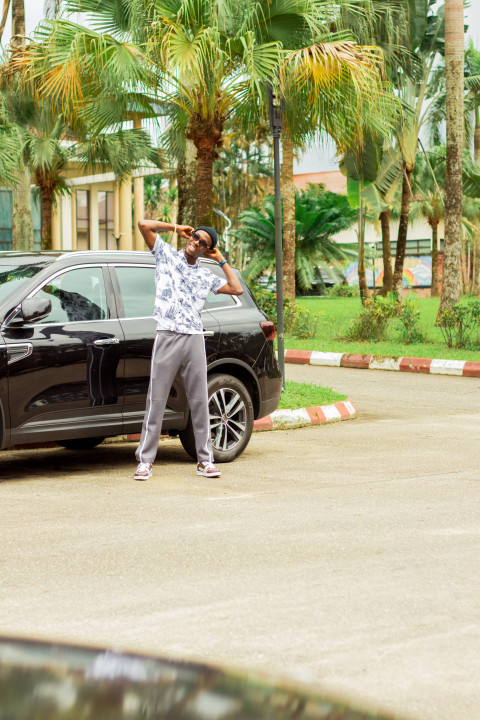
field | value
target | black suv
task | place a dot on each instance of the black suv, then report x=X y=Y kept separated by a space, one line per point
x=76 y=334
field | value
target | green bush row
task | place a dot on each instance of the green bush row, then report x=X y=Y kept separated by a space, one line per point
x=378 y=315
x=457 y=322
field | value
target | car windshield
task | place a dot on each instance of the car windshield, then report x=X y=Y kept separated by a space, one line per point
x=11 y=278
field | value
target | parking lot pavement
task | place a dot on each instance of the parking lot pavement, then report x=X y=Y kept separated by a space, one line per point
x=346 y=553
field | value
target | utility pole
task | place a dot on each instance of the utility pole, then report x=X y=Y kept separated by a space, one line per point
x=275 y=112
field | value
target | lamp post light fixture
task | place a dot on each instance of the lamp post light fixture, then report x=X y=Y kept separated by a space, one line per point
x=276 y=107
x=225 y=232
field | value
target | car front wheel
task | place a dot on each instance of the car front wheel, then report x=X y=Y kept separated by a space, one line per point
x=231 y=419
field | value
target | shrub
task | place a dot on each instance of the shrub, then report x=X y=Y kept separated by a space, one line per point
x=266 y=301
x=302 y=323
x=377 y=315
x=373 y=321
x=343 y=290
x=408 y=315
x=297 y=320
x=458 y=322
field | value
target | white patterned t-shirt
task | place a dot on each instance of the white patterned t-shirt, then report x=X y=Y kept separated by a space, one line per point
x=181 y=290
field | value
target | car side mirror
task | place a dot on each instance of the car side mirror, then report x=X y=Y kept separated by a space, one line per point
x=31 y=310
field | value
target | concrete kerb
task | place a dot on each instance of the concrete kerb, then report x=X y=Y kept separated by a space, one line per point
x=300 y=417
x=436 y=366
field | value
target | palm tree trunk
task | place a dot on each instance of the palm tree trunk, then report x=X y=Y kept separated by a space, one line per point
x=362 y=277
x=288 y=197
x=463 y=269
x=204 y=194
x=476 y=136
x=476 y=244
x=186 y=185
x=22 y=223
x=387 y=252
x=434 y=287
x=22 y=226
x=18 y=23
x=454 y=67
x=402 y=229
x=47 y=211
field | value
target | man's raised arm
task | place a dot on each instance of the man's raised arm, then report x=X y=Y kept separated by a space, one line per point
x=150 y=228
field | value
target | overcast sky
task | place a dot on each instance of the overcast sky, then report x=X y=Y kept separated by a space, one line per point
x=315 y=160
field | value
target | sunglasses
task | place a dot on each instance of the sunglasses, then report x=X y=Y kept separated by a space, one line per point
x=196 y=238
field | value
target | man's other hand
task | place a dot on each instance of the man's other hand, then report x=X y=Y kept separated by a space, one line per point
x=184 y=231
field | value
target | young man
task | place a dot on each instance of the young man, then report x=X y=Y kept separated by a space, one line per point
x=181 y=288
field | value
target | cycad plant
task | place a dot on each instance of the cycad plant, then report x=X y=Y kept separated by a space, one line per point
x=319 y=215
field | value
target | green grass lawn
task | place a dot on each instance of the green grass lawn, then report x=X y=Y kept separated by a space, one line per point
x=338 y=313
x=299 y=395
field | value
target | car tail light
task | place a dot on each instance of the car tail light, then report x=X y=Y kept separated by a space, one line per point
x=268 y=329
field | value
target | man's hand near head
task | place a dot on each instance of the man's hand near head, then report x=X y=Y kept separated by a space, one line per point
x=233 y=286
x=150 y=228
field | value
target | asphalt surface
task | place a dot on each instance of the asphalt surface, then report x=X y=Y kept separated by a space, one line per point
x=346 y=554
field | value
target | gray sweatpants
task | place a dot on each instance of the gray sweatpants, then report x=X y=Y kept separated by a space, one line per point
x=185 y=354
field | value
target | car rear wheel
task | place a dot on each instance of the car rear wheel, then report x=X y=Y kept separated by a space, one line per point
x=81 y=443
x=231 y=419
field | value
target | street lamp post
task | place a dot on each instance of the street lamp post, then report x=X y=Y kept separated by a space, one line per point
x=373 y=249
x=275 y=113
x=225 y=233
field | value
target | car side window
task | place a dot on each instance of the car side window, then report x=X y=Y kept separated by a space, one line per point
x=137 y=286
x=215 y=302
x=76 y=296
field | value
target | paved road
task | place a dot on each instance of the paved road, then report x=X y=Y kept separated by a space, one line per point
x=347 y=554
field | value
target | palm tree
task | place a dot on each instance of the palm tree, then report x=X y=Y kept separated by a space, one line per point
x=472 y=100
x=429 y=201
x=211 y=60
x=360 y=163
x=22 y=224
x=454 y=59
x=318 y=216
x=18 y=20
x=425 y=43
x=46 y=142
x=471 y=82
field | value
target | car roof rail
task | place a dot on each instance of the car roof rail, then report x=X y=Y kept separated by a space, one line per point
x=71 y=253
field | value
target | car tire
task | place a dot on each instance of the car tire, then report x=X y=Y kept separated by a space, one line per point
x=81 y=443
x=228 y=398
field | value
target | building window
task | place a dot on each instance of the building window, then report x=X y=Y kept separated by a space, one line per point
x=83 y=220
x=105 y=220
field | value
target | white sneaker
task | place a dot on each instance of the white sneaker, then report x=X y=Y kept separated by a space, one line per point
x=143 y=471
x=208 y=469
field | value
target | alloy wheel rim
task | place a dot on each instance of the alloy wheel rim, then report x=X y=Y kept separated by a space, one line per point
x=228 y=418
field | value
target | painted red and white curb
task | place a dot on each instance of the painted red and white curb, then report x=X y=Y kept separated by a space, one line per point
x=465 y=368
x=289 y=419
x=316 y=415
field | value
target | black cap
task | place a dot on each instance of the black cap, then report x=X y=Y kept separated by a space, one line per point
x=211 y=232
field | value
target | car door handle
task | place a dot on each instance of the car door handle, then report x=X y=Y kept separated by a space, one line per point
x=208 y=333
x=106 y=341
